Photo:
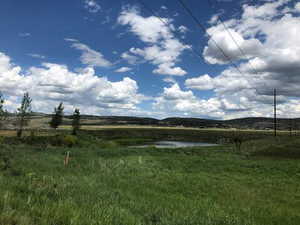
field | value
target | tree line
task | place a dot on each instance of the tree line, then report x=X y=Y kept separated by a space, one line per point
x=24 y=113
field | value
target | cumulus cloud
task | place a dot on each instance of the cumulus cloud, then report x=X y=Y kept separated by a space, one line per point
x=204 y=82
x=89 y=56
x=123 y=69
x=162 y=50
x=174 y=100
x=268 y=36
x=275 y=57
x=52 y=83
x=92 y=6
x=169 y=69
x=232 y=49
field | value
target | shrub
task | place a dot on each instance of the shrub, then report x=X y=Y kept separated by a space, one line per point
x=238 y=140
x=5 y=157
x=109 y=144
x=1 y=140
x=32 y=138
x=70 y=140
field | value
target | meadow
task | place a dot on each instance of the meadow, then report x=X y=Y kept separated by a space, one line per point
x=109 y=182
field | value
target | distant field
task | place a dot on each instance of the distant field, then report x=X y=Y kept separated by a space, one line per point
x=170 y=133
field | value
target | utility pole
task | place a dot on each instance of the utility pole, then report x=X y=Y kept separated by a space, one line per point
x=291 y=126
x=275 y=121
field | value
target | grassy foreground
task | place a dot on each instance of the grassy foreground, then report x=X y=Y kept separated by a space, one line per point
x=108 y=183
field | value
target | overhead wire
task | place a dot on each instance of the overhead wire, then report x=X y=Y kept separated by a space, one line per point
x=231 y=36
x=190 y=13
x=175 y=32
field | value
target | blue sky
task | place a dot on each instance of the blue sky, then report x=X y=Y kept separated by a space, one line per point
x=116 y=58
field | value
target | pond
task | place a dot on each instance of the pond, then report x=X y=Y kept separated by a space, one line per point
x=176 y=144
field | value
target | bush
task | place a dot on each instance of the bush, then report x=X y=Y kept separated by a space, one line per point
x=109 y=144
x=238 y=139
x=5 y=157
x=1 y=140
x=32 y=138
x=278 y=148
x=69 y=140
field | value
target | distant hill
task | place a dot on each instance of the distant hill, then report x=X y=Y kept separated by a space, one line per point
x=261 y=123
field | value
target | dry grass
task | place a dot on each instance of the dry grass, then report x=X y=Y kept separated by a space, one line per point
x=8 y=133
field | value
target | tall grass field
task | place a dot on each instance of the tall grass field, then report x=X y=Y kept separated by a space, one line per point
x=106 y=181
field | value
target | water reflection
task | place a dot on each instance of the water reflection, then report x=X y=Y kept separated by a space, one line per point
x=176 y=144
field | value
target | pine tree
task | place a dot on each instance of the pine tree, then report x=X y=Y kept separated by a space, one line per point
x=57 y=116
x=1 y=104
x=23 y=113
x=3 y=113
x=76 y=121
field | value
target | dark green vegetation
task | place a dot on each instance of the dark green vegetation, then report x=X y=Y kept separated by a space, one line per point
x=57 y=117
x=107 y=182
x=23 y=114
x=260 y=123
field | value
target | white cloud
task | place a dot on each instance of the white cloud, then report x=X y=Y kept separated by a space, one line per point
x=204 y=82
x=163 y=49
x=174 y=101
x=183 y=29
x=214 y=19
x=123 y=69
x=71 y=40
x=275 y=56
x=232 y=49
x=129 y=57
x=169 y=69
x=148 y=29
x=52 y=83
x=89 y=56
x=92 y=6
x=169 y=80
x=268 y=35
x=24 y=34
x=38 y=56
x=297 y=7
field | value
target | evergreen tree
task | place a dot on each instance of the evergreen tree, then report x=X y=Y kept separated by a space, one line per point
x=76 y=121
x=23 y=113
x=57 y=116
x=3 y=113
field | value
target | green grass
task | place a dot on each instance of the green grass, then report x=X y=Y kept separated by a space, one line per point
x=109 y=183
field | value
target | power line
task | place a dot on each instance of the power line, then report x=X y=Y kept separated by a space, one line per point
x=234 y=40
x=231 y=36
x=211 y=38
x=176 y=33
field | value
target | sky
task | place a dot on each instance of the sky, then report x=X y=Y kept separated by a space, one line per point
x=150 y=58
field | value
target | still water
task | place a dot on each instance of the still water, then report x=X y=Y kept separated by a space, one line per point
x=176 y=144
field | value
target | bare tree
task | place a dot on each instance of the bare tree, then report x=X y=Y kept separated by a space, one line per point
x=23 y=113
